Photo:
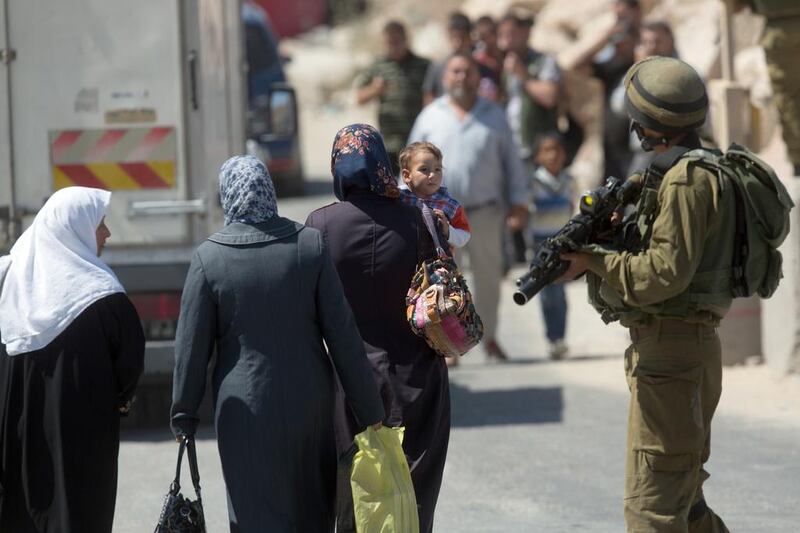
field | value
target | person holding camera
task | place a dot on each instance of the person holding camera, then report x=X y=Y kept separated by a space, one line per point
x=608 y=60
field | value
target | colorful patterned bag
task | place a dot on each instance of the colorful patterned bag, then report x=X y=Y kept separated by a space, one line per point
x=439 y=305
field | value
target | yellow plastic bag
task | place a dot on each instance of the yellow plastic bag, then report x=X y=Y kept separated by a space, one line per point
x=383 y=496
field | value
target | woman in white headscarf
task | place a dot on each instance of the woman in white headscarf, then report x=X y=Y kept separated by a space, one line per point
x=71 y=354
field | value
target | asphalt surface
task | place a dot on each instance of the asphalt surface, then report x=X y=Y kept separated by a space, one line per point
x=535 y=445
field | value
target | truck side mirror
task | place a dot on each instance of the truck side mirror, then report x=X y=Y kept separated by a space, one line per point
x=258 y=118
x=283 y=111
x=273 y=115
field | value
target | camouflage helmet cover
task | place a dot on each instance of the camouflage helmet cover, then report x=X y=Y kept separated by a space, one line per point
x=666 y=95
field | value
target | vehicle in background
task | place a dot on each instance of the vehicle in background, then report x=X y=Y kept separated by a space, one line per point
x=290 y=18
x=146 y=99
x=272 y=134
x=295 y=17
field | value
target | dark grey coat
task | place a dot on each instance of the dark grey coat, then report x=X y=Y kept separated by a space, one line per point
x=266 y=296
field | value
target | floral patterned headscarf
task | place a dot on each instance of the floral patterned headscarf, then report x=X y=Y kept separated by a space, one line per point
x=359 y=162
x=246 y=190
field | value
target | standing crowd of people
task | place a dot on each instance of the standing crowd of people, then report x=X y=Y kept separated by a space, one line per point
x=490 y=105
x=307 y=322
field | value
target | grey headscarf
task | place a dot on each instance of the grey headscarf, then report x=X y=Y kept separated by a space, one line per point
x=246 y=191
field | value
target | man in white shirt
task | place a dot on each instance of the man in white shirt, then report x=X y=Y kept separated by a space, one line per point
x=482 y=170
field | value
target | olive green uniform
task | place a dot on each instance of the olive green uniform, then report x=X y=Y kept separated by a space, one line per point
x=402 y=101
x=781 y=42
x=672 y=296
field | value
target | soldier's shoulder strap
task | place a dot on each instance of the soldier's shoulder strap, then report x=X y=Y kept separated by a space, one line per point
x=666 y=160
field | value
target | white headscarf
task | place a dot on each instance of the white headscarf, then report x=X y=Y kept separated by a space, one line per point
x=53 y=273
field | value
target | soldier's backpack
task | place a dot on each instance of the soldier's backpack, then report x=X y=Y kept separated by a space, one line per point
x=762 y=214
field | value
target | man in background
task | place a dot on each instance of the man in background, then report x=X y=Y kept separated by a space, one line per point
x=608 y=60
x=395 y=80
x=655 y=39
x=482 y=170
x=531 y=86
x=459 y=33
x=489 y=58
x=531 y=81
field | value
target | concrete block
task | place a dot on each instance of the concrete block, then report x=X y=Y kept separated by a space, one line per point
x=730 y=113
x=740 y=331
x=780 y=320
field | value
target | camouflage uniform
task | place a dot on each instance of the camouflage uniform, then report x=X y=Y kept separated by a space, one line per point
x=673 y=367
x=402 y=102
x=672 y=296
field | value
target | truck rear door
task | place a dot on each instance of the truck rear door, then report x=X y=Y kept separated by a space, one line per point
x=95 y=99
x=6 y=211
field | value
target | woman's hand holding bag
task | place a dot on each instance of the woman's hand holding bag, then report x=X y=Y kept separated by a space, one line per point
x=180 y=514
x=383 y=494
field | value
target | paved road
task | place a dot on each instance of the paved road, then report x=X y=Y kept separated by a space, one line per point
x=536 y=445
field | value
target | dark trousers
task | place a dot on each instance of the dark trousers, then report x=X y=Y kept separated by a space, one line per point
x=553 y=300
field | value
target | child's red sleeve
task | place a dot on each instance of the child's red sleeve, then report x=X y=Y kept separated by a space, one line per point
x=460 y=220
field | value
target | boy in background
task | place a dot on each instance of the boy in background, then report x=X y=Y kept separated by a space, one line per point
x=552 y=209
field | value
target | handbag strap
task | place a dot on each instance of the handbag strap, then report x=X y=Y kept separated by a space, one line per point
x=427 y=216
x=187 y=445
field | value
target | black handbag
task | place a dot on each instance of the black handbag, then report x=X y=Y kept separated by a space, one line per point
x=180 y=514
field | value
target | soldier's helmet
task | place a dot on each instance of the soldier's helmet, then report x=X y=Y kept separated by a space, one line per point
x=666 y=95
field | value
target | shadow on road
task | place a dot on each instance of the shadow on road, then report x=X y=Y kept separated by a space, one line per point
x=529 y=405
x=569 y=359
x=204 y=432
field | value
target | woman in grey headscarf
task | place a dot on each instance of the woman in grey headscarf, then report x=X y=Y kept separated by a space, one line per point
x=264 y=292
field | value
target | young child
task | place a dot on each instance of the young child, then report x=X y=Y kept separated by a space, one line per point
x=421 y=171
x=552 y=209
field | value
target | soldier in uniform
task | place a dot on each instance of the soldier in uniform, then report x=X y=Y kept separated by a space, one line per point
x=672 y=294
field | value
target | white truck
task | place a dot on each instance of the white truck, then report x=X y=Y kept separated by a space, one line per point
x=147 y=99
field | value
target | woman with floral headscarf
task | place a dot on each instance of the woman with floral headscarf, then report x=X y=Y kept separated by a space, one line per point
x=71 y=354
x=264 y=293
x=375 y=241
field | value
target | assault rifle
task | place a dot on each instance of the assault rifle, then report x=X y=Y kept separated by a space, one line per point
x=591 y=225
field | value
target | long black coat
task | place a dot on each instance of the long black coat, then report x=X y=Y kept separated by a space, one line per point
x=266 y=296
x=375 y=244
x=59 y=422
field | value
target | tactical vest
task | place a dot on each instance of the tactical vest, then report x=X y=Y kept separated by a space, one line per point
x=708 y=296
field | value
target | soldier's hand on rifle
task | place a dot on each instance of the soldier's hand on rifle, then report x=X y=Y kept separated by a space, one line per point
x=577 y=266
